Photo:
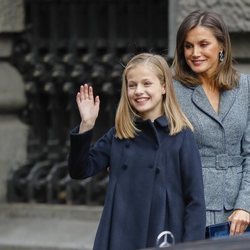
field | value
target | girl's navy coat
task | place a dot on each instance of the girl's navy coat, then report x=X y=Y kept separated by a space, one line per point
x=155 y=184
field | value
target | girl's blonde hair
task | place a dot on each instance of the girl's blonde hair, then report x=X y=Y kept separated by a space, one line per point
x=126 y=115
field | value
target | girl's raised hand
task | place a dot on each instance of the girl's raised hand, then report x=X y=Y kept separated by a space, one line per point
x=88 y=107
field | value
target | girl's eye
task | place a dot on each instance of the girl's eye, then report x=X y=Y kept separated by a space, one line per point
x=147 y=83
x=132 y=85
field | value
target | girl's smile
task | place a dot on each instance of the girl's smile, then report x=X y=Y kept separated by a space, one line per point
x=145 y=91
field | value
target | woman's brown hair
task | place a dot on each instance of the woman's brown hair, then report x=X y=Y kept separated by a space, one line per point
x=225 y=77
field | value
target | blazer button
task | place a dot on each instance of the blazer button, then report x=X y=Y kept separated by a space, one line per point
x=124 y=167
x=157 y=170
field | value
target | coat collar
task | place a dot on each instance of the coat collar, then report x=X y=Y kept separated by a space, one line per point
x=227 y=99
x=162 y=121
x=152 y=129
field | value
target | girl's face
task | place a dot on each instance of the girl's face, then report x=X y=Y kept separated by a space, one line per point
x=201 y=51
x=145 y=92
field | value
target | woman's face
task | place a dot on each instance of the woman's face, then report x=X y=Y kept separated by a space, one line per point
x=145 y=92
x=201 y=51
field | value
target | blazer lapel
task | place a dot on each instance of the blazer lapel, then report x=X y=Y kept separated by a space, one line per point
x=227 y=99
x=200 y=99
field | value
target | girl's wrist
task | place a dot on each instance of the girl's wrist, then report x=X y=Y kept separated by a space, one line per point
x=85 y=127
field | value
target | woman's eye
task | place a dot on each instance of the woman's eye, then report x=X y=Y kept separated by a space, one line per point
x=204 y=44
x=187 y=46
x=147 y=83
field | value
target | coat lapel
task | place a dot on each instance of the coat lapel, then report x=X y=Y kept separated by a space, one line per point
x=200 y=99
x=227 y=99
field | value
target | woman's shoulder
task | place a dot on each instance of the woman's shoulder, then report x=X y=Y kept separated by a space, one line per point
x=244 y=79
x=180 y=89
x=178 y=84
x=244 y=83
x=182 y=93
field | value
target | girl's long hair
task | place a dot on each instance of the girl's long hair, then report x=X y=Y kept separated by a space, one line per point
x=126 y=115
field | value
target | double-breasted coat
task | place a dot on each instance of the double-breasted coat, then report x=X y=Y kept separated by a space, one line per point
x=223 y=140
x=155 y=184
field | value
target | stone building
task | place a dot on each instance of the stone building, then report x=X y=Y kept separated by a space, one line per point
x=38 y=55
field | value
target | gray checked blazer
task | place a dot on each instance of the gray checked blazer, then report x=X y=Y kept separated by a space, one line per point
x=224 y=143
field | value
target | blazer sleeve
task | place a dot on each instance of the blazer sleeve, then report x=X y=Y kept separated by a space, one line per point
x=193 y=190
x=243 y=199
x=84 y=159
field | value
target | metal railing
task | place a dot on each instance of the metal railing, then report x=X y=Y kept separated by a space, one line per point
x=66 y=43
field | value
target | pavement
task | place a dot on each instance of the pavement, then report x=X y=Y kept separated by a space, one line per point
x=73 y=227
x=48 y=227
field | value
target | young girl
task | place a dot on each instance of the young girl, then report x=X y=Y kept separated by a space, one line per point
x=155 y=179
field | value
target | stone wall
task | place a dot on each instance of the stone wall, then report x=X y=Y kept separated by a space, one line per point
x=236 y=13
x=13 y=132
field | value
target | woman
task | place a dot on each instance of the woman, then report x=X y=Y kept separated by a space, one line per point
x=216 y=100
x=155 y=179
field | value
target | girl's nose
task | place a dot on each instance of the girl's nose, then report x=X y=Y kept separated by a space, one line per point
x=139 y=89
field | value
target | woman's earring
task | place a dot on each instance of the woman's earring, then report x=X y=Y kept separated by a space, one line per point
x=221 y=56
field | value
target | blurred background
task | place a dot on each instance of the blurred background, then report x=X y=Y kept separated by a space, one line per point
x=47 y=49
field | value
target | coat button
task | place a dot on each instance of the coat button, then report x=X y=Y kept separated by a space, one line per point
x=157 y=170
x=124 y=167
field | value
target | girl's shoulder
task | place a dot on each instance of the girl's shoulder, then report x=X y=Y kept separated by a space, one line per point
x=186 y=133
x=111 y=133
x=187 y=139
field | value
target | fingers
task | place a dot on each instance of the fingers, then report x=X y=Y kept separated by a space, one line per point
x=233 y=228
x=85 y=93
x=239 y=222
x=97 y=100
x=237 y=227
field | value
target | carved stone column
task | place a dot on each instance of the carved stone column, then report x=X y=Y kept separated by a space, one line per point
x=13 y=133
